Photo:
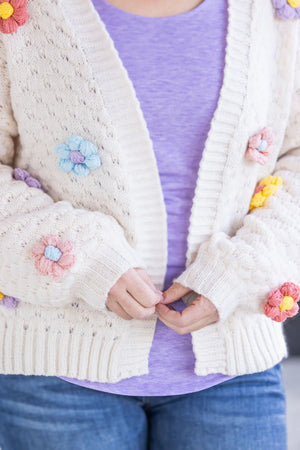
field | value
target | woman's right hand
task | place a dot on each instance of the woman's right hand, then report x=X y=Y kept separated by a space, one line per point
x=133 y=296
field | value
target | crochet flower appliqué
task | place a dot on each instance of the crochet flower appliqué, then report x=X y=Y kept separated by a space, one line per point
x=287 y=9
x=266 y=187
x=78 y=156
x=53 y=257
x=260 y=146
x=9 y=302
x=13 y=14
x=282 y=303
x=23 y=175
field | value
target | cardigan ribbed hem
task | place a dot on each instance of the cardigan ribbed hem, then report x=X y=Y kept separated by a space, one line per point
x=248 y=344
x=108 y=352
x=121 y=349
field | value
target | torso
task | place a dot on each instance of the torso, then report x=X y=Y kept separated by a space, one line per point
x=176 y=66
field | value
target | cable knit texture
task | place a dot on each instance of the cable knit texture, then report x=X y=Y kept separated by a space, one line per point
x=61 y=77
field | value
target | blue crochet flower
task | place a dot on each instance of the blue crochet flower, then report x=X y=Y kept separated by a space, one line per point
x=78 y=156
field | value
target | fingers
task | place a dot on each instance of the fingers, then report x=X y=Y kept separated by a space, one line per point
x=179 y=319
x=137 y=288
x=144 y=275
x=135 y=293
x=130 y=306
x=134 y=309
x=117 y=309
x=196 y=316
x=141 y=291
x=175 y=292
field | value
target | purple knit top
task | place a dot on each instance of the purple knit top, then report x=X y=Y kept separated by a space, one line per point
x=176 y=66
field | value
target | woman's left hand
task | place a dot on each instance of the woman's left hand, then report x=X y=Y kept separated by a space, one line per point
x=199 y=314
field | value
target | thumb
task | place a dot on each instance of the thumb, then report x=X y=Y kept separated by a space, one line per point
x=175 y=292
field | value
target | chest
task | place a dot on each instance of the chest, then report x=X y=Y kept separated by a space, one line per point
x=176 y=67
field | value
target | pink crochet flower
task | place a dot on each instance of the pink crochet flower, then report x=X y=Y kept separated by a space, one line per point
x=13 y=14
x=53 y=257
x=260 y=146
x=282 y=303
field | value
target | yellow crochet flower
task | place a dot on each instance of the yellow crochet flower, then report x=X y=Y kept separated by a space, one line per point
x=266 y=187
x=294 y=3
x=1 y=296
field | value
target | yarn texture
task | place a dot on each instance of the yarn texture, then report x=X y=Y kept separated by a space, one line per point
x=75 y=85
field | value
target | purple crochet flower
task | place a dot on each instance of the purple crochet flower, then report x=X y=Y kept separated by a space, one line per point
x=9 y=302
x=287 y=9
x=23 y=175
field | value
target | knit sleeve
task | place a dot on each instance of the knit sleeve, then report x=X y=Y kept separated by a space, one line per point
x=241 y=271
x=52 y=253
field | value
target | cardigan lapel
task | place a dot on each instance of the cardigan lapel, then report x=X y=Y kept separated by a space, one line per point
x=131 y=132
x=222 y=144
x=133 y=136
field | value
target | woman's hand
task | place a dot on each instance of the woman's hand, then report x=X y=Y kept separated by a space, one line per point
x=198 y=315
x=133 y=296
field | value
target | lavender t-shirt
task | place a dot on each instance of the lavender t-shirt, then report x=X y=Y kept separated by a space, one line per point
x=176 y=66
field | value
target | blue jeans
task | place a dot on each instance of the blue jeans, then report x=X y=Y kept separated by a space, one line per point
x=47 y=413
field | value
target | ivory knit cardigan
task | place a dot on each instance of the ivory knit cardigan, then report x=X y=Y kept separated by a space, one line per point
x=60 y=77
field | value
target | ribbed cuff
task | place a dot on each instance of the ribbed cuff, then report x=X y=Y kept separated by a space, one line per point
x=210 y=277
x=100 y=272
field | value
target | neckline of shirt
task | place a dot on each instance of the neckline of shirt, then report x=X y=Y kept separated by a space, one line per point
x=176 y=17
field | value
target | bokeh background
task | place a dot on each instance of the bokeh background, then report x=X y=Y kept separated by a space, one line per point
x=291 y=374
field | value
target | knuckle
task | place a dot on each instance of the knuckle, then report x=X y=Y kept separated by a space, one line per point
x=142 y=315
x=127 y=275
x=184 y=323
x=180 y=331
x=149 y=303
x=154 y=299
x=114 y=290
x=151 y=311
x=139 y=315
x=127 y=317
x=124 y=278
x=108 y=302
